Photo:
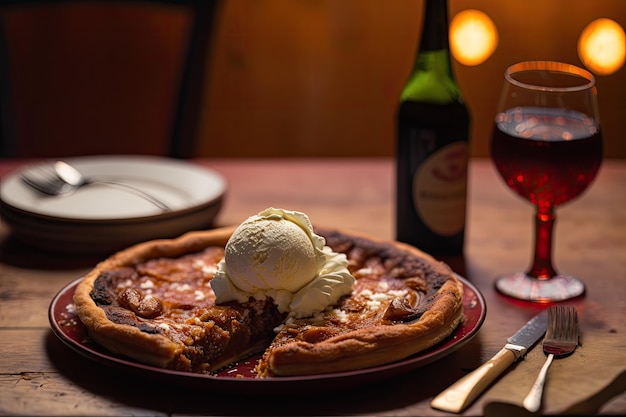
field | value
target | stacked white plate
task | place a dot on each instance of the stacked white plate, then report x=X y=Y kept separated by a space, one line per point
x=104 y=218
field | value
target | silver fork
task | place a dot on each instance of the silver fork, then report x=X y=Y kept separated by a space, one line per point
x=61 y=178
x=561 y=339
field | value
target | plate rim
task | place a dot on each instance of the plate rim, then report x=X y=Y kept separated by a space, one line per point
x=122 y=159
x=287 y=384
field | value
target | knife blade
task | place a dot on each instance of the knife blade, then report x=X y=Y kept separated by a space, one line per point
x=461 y=394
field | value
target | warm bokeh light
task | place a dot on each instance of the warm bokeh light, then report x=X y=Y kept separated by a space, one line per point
x=602 y=46
x=473 y=37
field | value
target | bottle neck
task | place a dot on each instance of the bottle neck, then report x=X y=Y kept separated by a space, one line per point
x=433 y=52
x=432 y=79
x=434 y=26
x=437 y=62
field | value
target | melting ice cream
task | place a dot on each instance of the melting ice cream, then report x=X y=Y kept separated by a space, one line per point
x=277 y=254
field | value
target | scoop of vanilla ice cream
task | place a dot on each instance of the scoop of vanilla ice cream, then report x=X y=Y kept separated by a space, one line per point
x=277 y=254
x=271 y=253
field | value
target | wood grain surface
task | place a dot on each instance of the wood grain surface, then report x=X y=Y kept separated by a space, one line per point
x=39 y=375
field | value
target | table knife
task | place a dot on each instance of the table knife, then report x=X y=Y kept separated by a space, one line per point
x=461 y=394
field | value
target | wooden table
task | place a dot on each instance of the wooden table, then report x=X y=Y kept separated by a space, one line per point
x=39 y=375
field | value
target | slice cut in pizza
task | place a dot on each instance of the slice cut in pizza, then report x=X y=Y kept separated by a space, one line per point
x=154 y=303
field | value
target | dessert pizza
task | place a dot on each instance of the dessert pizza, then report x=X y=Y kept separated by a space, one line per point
x=155 y=303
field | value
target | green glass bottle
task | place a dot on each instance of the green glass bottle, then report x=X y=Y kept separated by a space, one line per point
x=432 y=146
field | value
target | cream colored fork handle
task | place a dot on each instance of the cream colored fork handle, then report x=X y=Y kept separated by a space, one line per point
x=532 y=402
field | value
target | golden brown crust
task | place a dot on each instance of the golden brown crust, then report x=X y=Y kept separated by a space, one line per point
x=375 y=341
x=375 y=345
x=153 y=349
x=363 y=348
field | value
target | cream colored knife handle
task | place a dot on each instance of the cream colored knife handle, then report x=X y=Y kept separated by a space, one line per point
x=460 y=394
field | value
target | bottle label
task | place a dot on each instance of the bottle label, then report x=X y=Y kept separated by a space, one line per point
x=440 y=189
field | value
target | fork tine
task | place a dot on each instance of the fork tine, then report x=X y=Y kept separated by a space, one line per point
x=569 y=322
x=572 y=324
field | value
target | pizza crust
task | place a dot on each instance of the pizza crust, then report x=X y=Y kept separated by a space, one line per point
x=363 y=348
x=355 y=349
x=377 y=345
x=152 y=349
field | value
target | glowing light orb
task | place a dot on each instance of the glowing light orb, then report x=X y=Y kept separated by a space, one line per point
x=473 y=37
x=602 y=46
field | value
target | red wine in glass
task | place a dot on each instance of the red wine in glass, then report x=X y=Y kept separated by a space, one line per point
x=548 y=153
x=547 y=156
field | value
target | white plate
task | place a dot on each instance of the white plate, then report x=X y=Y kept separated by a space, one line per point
x=100 y=218
x=179 y=184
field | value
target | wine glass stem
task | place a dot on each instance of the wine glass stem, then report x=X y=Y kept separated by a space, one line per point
x=542 y=263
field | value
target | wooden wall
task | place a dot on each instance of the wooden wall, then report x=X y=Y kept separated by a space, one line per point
x=286 y=77
x=322 y=77
x=92 y=78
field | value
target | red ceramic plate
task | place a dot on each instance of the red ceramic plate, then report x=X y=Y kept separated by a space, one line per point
x=240 y=377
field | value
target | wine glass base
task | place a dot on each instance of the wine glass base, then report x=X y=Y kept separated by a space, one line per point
x=524 y=287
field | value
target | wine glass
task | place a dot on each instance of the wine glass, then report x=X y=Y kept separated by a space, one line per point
x=547 y=146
